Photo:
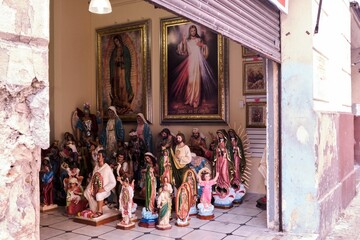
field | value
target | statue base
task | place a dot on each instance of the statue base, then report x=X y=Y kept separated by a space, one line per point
x=148 y=219
x=182 y=224
x=125 y=226
x=134 y=218
x=147 y=223
x=224 y=202
x=163 y=227
x=206 y=217
x=239 y=194
x=45 y=208
x=109 y=215
x=193 y=211
x=205 y=213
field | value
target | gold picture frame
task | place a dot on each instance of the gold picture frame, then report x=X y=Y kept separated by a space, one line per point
x=254 y=78
x=256 y=114
x=123 y=70
x=204 y=98
x=247 y=52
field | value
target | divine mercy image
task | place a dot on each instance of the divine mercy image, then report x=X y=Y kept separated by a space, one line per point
x=192 y=70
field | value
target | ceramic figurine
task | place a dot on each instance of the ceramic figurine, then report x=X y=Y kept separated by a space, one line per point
x=205 y=207
x=190 y=178
x=144 y=132
x=75 y=201
x=112 y=133
x=137 y=150
x=183 y=205
x=197 y=142
x=164 y=203
x=125 y=204
x=223 y=163
x=181 y=158
x=100 y=186
x=149 y=215
x=47 y=185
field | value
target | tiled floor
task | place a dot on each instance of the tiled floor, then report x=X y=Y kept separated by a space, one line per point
x=245 y=221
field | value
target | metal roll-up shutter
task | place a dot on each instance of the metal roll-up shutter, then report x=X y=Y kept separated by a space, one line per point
x=252 y=23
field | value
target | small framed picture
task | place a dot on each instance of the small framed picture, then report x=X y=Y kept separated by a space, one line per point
x=256 y=114
x=247 y=52
x=254 y=82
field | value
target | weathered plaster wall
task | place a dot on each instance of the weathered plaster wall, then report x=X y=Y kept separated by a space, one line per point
x=318 y=170
x=24 y=113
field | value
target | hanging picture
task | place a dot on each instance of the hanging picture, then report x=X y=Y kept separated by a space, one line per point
x=254 y=82
x=193 y=73
x=123 y=70
x=247 y=52
x=256 y=114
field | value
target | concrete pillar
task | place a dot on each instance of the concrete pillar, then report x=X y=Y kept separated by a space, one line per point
x=316 y=121
x=24 y=114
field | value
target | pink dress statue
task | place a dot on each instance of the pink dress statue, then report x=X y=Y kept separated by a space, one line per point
x=205 y=198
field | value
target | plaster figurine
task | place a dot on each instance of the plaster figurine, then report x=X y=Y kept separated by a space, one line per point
x=205 y=207
x=164 y=203
x=149 y=215
x=125 y=203
x=183 y=205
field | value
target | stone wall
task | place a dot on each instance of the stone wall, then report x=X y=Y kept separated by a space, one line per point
x=24 y=114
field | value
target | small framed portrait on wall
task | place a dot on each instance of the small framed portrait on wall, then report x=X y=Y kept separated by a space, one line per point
x=247 y=52
x=254 y=81
x=256 y=114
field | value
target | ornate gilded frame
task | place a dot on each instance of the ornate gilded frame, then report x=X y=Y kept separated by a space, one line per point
x=256 y=114
x=111 y=70
x=174 y=109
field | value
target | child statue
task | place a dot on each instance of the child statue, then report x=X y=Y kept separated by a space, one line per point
x=205 y=207
x=125 y=204
x=164 y=203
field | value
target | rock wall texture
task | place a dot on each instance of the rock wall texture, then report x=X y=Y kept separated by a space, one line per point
x=24 y=113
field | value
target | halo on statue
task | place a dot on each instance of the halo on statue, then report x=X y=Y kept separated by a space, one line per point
x=202 y=171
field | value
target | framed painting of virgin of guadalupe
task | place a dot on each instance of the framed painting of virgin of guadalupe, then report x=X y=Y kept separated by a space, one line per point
x=123 y=70
x=194 y=73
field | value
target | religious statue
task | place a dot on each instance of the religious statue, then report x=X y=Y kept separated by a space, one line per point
x=112 y=133
x=223 y=165
x=190 y=178
x=205 y=207
x=125 y=203
x=181 y=158
x=149 y=215
x=197 y=142
x=237 y=151
x=47 y=177
x=164 y=203
x=183 y=204
x=100 y=186
x=122 y=169
x=86 y=125
x=144 y=132
x=137 y=150
x=75 y=201
x=167 y=140
x=165 y=170
x=72 y=171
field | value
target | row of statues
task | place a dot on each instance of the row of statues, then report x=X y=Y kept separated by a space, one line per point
x=195 y=176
